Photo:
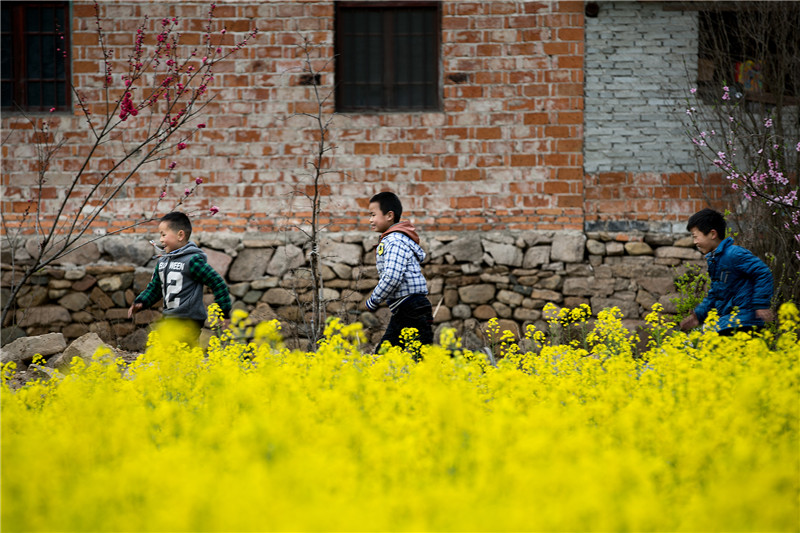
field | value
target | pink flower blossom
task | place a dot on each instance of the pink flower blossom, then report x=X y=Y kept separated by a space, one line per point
x=52 y=109
x=768 y=123
x=198 y=181
x=693 y=90
x=201 y=125
x=214 y=210
x=181 y=146
x=172 y=165
x=163 y=194
x=187 y=192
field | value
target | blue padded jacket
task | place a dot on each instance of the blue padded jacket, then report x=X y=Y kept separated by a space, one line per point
x=741 y=283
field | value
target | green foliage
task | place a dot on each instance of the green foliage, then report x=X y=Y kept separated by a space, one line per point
x=692 y=285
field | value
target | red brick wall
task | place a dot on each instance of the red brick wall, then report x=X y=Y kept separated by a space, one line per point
x=505 y=151
x=638 y=197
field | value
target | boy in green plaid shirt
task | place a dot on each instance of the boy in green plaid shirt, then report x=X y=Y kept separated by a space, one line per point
x=179 y=277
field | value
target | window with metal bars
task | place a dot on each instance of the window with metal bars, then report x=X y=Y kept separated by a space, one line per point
x=35 y=56
x=387 y=56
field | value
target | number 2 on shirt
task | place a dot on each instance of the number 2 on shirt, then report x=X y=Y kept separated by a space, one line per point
x=173 y=284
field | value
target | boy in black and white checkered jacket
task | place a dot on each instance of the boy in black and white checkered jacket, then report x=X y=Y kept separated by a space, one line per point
x=398 y=259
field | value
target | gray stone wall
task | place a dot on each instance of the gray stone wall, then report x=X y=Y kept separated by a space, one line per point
x=471 y=277
x=639 y=59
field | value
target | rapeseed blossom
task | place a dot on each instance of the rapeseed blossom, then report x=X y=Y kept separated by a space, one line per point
x=700 y=432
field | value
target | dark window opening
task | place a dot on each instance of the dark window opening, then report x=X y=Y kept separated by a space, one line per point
x=35 y=56
x=753 y=49
x=387 y=56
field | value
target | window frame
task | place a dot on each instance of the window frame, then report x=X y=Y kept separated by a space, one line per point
x=389 y=7
x=19 y=77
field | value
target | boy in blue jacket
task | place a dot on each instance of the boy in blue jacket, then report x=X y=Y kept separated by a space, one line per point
x=741 y=284
x=401 y=285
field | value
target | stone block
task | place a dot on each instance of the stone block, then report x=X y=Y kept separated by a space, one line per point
x=83 y=347
x=477 y=294
x=467 y=248
x=284 y=259
x=638 y=248
x=339 y=252
x=101 y=298
x=250 y=264
x=278 y=296
x=123 y=249
x=219 y=261
x=25 y=348
x=46 y=315
x=503 y=311
x=503 y=254
x=535 y=256
x=629 y=308
x=484 y=312
x=615 y=248
x=550 y=296
x=462 y=311
x=595 y=247
x=568 y=247
x=677 y=252
x=523 y=314
x=35 y=297
x=510 y=297
x=588 y=287
x=657 y=285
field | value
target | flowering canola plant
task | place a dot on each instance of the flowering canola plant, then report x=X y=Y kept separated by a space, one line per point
x=700 y=432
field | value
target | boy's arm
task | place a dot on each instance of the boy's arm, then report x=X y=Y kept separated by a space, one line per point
x=202 y=272
x=397 y=257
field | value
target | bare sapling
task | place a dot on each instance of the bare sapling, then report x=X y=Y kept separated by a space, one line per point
x=135 y=119
x=318 y=167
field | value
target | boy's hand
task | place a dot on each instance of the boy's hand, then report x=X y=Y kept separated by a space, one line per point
x=135 y=308
x=689 y=322
x=765 y=314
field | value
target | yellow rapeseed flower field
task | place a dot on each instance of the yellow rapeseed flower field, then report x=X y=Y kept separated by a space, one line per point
x=698 y=433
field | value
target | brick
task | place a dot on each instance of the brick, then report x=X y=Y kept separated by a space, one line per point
x=488 y=133
x=433 y=175
x=536 y=118
x=472 y=174
x=367 y=148
x=401 y=148
x=523 y=160
x=570 y=174
x=556 y=48
x=467 y=202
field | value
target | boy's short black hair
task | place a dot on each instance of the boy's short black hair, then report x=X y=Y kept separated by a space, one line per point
x=178 y=221
x=389 y=202
x=706 y=220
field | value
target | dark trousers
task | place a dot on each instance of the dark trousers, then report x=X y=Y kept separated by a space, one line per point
x=414 y=312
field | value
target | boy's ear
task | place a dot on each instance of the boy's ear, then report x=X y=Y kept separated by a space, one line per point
x=181 y=235
x=390 y=215
x=712 y=234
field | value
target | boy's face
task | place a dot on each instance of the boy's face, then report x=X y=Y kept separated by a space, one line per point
x=377 y=220
x=705 y=242
x=171 y=240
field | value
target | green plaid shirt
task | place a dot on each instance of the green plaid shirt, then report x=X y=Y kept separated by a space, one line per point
x=199 y=271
